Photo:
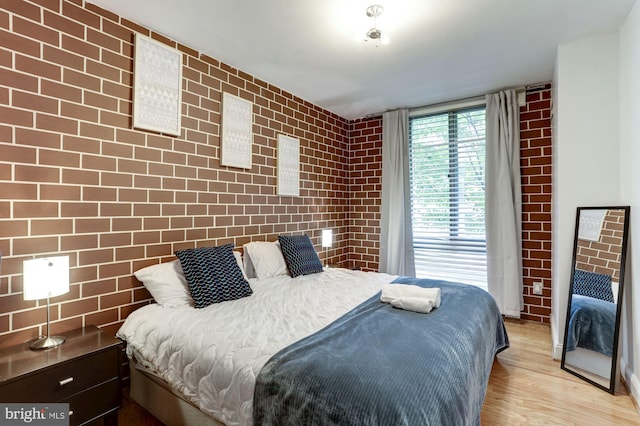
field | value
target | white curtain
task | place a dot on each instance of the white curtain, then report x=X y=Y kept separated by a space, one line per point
x=396 y=238
x=503 y=202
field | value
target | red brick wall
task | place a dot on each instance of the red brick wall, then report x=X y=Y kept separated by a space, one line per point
x=535 y=143
x=365 y=168
x=76 y=179
x=535 y=162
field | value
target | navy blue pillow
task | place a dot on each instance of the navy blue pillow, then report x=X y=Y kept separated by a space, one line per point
x=592 y=284
x=300 y=255
x=213 y=275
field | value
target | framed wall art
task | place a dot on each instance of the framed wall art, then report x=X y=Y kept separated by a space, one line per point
x=591 y=221
x=237 y=131
x=288 y=166
x=157 y=86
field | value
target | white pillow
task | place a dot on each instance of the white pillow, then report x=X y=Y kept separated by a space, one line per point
x=166 y=283
x=238 y=257
x=266 y=259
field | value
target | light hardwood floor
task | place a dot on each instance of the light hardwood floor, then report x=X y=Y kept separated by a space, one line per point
x=526 y=387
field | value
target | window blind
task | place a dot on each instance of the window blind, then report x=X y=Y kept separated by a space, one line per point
x=447 y=156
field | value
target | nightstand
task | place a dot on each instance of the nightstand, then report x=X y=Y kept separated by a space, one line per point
x=85 y=371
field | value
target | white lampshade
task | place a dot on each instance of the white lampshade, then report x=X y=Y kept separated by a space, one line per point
x=327 y=238
x=45 y=277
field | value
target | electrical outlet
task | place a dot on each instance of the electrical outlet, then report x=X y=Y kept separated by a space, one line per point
x=537 y=288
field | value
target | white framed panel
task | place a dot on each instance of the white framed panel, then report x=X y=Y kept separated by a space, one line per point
x=590 y=224
x=288 y=166
x=157 y=86
x=237 y=131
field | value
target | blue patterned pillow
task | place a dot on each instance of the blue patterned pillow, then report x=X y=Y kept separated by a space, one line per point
x=593 y=285
x=299 y=254
x=213 y=275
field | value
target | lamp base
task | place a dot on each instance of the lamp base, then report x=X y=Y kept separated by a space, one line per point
x=47 y=342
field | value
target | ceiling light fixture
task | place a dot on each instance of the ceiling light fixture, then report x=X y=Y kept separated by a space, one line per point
x=374 y=35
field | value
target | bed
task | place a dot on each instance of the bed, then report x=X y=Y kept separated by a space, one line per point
x=316 y=348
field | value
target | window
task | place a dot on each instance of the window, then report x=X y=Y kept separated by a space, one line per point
x=447 y=156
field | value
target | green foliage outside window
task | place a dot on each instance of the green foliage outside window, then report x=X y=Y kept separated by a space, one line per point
x=447 y=174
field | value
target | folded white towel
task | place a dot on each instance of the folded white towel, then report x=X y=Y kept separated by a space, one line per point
x=416 y=304
x=403 y=291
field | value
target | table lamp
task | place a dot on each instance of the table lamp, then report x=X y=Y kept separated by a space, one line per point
x=327 y=238
x=42 y=279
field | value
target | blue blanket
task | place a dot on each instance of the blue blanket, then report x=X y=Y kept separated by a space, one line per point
x=378 y=365
x=592 y=324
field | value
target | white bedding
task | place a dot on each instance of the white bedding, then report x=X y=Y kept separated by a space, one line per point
x=213 y=355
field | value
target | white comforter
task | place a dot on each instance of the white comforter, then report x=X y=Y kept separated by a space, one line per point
x=213 y=355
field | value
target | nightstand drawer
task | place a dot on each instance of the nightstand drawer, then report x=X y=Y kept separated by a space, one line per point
x=57 y=383
x=94 y=402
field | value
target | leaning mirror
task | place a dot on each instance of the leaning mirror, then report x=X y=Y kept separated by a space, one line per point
x=590 y=348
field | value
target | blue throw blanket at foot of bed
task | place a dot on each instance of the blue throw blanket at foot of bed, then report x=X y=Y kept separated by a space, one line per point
x=378 y=365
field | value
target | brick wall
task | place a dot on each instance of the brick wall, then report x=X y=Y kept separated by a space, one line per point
x=535 y=144
x=76 y=179
x=365 y=168
x=535 y=168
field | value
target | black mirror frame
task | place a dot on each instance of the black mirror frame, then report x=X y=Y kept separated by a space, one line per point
x=623 y=258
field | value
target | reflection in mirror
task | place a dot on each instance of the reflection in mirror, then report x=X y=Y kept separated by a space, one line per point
x=595 y=295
